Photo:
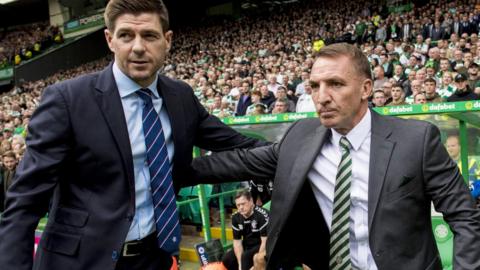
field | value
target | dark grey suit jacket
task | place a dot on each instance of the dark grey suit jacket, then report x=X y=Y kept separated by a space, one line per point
x=409 y=169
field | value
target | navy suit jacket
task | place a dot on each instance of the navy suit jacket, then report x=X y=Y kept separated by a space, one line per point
x=78 y=166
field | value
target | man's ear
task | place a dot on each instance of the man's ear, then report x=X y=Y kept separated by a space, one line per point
x=108 y=38
x=168 y=39
x=367 y=89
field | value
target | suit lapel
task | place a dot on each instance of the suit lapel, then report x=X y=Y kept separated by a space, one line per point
x=380 y=152
x=303 y=163
x=109 y=101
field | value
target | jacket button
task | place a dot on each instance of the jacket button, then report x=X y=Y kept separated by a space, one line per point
x=115 y=255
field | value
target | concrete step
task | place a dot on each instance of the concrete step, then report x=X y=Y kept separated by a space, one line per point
x=217 y=233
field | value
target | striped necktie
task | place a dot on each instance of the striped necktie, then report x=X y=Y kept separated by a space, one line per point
x=340 y=234
x=161 y=182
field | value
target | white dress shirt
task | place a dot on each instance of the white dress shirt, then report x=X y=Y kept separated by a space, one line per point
x=322 y=178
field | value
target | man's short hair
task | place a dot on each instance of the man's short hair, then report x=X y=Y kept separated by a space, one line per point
x=116 y=8
x=360 y=61
x=398 y=85
x=282 y=100
x=378 y=91
x=244 y=193
x=9 y=154
x=430 y=79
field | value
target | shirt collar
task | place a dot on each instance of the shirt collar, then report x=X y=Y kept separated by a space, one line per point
x=357 y=135
x=127 y=86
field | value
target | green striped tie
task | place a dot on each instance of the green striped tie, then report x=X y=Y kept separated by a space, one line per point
x=339 y=236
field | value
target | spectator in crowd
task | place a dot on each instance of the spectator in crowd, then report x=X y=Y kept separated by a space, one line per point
x=378 y=98
x=267 y=96
x=249 y=227
x=244 y=100
x=282 y=95
x=430 y=86
x=462 y=91
x=419 y=98
x=416 y=88
x=7 y=172
x=256 y=102
x=452 y=144
x=305 y=102
x=387 y=89
x=473 y=78
x=273 y=85
x=280 y=105
x=300 y=89
x=23 y=42
x=379 y=75
x=446 y=87
x=398 y=96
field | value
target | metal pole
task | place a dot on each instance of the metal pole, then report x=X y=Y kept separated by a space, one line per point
x=464 y=150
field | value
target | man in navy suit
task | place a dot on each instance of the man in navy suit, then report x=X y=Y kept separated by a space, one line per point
x=88 y=162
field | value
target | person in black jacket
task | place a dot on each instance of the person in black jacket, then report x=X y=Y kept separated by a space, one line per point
x=463 y=92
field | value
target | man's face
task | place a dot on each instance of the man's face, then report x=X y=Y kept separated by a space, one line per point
x=280 y=107
x=245 y=88
x=397 y=93
x=139 y=45
x=458 y=55
x=398 y=70
x=446 y=79
x=379 y=99
x=378 y=72
x=444 y=65
x=430 y=88
x=387 y=89
x=461 y=85
x=412 y=75
x=453 y=147
x=468 y=57
x=339 y=92
x=416 y=86
x=421 y=75
x=244 y=206
x=419 y=39
x=281 y=93
x=9 y=163
x=420 y=99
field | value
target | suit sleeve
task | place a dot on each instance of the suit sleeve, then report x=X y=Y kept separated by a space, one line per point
x=214 y=135
x=450 y=195
x=237 y=165
x=36 y=177
x=258 y=163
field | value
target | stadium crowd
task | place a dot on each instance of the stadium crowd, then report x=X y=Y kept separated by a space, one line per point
x=261 y=63
x=24 y=42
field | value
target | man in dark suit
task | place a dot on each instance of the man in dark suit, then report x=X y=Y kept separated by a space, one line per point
x=244 y=100
x=437 y=32
x=107 y=153
x=374 y=176
x=7 y=173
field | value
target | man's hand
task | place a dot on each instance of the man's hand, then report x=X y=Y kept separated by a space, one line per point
x=259 y=262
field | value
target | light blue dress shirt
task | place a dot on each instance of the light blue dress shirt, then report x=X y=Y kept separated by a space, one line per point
x=143 y=222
